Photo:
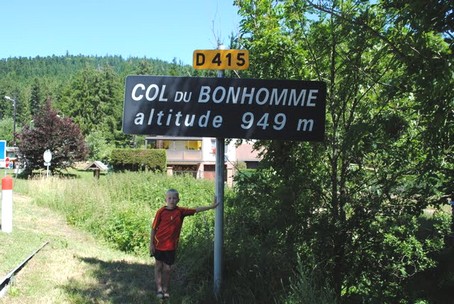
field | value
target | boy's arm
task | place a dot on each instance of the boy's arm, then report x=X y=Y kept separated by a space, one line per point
x=205 y=208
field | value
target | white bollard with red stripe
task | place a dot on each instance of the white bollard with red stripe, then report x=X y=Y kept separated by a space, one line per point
x=7 y=204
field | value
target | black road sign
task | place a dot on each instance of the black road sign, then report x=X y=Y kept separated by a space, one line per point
x=224 y=107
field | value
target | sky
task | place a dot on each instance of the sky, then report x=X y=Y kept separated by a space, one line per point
x=156 y=29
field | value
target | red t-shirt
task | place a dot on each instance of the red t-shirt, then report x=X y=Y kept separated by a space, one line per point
x=167 y=224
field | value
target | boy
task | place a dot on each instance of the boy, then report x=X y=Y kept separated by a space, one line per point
x=165 y=233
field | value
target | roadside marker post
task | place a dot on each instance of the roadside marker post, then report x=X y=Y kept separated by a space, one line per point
x=7 y=204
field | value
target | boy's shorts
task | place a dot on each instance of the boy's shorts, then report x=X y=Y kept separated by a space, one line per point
x=167 y=257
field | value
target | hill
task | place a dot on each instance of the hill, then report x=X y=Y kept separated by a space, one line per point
x=87 y=89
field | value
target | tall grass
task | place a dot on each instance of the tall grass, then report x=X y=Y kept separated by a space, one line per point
x=118 y=208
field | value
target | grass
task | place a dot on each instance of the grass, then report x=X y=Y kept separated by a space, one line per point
x=24 y=239
x=117 y=207
x=78 y=265
x=73 y=267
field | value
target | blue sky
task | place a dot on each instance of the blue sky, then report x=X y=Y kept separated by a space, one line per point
x=158 y=29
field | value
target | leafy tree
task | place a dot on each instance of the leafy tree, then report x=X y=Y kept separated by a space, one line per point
x=98 y=147
x=6 y=130
x=49 y=131
x=424 y=40
x=350 y=205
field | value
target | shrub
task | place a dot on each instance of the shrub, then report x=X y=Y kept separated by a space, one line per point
x=139 y=159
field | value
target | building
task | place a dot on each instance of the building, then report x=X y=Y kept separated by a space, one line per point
x=197 y=156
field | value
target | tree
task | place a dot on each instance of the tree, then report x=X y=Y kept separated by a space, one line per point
x=35 y=98
x=144 y=68
x=98 y=147
x=6 y=130
x=350 y=205
x=94 y=99
x=49 y=131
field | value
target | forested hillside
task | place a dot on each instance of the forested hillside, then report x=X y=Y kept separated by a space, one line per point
x=89 y=89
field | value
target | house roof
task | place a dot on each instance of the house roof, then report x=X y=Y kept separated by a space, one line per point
x=97 y=165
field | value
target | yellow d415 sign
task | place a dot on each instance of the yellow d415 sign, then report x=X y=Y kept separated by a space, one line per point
x=220 y=59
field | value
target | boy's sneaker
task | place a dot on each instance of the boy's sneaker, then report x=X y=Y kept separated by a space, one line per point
x=160 y=295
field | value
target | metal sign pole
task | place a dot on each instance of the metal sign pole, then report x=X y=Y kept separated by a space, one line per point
x=219 y=216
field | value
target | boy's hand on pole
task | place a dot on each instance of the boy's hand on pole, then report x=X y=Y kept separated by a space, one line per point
x=215 y=202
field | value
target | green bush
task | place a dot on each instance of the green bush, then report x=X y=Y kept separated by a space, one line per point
x=139 y=159
x=308 y=288
x=127 y=231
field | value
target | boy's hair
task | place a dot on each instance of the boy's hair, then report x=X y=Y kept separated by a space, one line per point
x=173 y=191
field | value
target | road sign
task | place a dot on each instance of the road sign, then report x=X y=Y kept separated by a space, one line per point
x=7 y=162
x=220 y=59
x=223 y=107
x=47 y=155
x=2 y=149
x=2 y=153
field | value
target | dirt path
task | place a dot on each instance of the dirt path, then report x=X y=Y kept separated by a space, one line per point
x=73 y=267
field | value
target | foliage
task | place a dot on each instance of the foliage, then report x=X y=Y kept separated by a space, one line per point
x=435 y=284
x=305 y=287
x=119 y=209
x=86 y=88
x=6 y=130
x=51 y=132
x=258 y=237
x=126 y=230
x=92 y=99
x=350 y=205
x=119 y=206
x=139 y=159
x=35 y=98
x=98 y=147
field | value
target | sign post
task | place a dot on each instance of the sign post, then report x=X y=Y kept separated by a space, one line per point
x=47 y=155
x=218 y=250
